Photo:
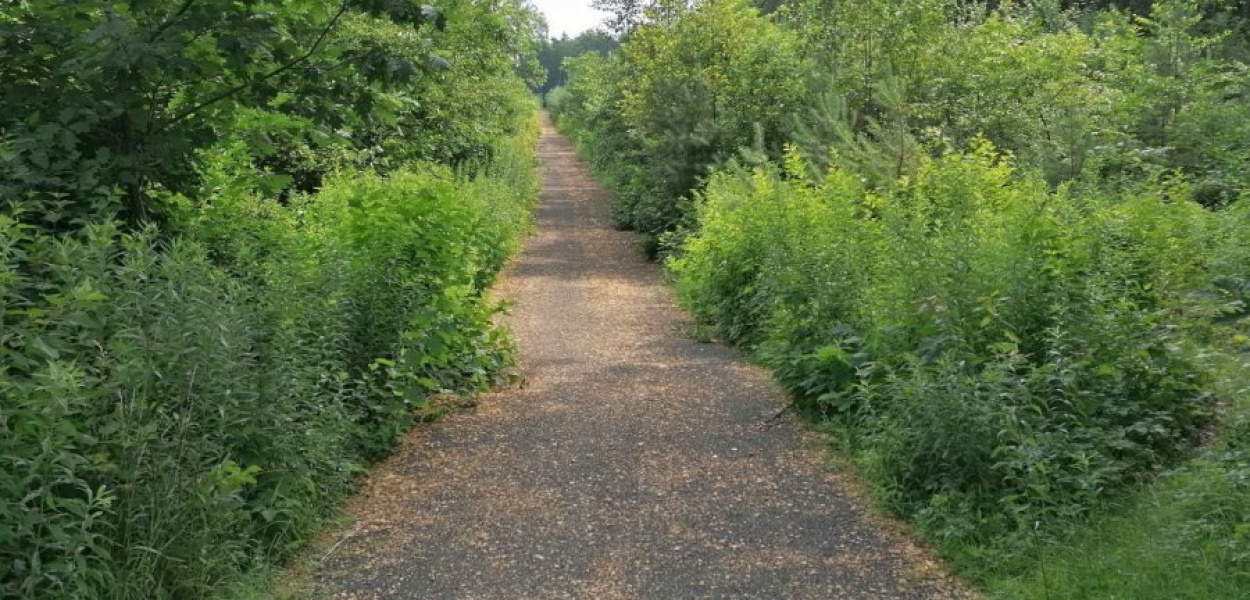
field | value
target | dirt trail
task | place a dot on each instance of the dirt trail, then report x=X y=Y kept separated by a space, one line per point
x=634 y=463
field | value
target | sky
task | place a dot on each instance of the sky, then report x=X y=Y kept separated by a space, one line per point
x=569 y=16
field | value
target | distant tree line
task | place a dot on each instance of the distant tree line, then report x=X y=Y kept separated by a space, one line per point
x=553 y=51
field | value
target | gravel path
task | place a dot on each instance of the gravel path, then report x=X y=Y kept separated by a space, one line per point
x=633 y=463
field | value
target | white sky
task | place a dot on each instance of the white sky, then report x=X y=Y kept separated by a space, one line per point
x=569 y=16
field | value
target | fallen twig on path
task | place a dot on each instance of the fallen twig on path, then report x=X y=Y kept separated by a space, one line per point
x=770 y=421
x=340 y=542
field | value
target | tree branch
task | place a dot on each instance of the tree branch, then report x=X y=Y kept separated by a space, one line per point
x=169 y=22
x=325 y=31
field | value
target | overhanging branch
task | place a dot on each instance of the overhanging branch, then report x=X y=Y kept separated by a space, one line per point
x=321 y=37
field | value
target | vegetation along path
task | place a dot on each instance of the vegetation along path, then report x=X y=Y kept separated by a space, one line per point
x=633 y=463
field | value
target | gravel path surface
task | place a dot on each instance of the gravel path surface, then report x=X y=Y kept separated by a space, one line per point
x=633 y=463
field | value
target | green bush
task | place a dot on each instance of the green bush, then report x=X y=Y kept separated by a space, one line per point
x=173 y=415
x=680 y=97
x=997 y=356
x=1185 y=535
x=1098 y=96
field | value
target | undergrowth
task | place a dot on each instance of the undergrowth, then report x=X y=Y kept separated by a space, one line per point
x=179 y=410
x=996 y=356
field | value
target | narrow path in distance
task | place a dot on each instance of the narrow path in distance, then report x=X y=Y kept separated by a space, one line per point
x=633 y=464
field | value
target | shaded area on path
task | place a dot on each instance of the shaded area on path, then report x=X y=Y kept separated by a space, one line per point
x=634 y=463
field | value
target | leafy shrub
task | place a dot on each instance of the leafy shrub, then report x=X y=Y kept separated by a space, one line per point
x=1182 y=536
x=994 y=354
x=1097 y=97
x=173 y=416
x=680 y=97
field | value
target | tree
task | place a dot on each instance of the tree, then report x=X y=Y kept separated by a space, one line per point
x=553 y=52
x=105 y=104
